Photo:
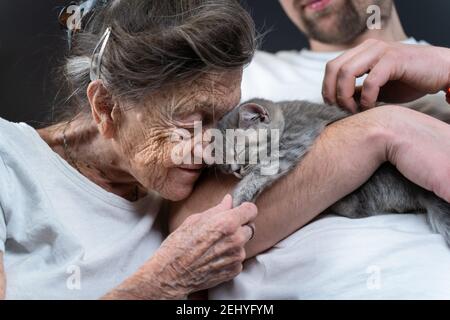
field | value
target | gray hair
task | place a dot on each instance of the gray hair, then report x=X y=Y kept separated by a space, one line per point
x=155 y=44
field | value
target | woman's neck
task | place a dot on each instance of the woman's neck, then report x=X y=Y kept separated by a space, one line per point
x=83 y=147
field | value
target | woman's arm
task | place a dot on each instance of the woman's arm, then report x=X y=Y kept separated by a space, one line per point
x=2 y=278
x=346 y=154
x=206 y=250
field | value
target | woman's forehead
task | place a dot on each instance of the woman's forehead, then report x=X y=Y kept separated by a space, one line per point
x=207 y=103
x=213 y=95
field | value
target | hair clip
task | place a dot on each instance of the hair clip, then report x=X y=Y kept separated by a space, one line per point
x=96 y=60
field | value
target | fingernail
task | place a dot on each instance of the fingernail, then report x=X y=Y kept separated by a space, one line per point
x=227 y=196
x=250 y=204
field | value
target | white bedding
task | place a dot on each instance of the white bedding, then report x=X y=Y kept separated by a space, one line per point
x=392 y=256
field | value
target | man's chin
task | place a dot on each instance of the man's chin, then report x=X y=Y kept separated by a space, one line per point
x=329 y=33
x=322 y=23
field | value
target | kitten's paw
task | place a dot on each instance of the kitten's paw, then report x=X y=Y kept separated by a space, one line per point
x=237 y=202
x=239 y=198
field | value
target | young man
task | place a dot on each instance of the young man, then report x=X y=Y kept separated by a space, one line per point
x=332 y=27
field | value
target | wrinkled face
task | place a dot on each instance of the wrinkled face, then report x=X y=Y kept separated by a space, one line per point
x=333 y=21
x=150 y=133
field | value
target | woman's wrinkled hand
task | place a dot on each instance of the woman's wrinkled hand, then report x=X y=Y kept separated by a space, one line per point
x=206 y=250
x=396 y=73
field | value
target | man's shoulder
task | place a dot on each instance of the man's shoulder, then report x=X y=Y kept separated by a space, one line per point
x=263 y=58
x=285 y=75
x=275 y=66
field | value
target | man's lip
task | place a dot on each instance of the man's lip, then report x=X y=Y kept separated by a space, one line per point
x=307 y=3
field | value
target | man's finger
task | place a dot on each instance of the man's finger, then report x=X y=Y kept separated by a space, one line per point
x=360 y=64
x=380 y=74
x=332 y=69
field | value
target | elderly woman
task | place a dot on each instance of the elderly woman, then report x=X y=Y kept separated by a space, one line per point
x=79 y=200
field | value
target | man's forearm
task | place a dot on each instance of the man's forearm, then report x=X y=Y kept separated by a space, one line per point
x=343 y=158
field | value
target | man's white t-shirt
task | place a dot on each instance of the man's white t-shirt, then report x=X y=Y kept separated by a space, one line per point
x=393 y=256
x=64 y=237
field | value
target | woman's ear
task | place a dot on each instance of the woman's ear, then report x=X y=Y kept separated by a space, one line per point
x=102 y=108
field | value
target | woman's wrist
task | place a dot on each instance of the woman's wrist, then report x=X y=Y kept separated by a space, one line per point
x=163 y=278
x=151 y=282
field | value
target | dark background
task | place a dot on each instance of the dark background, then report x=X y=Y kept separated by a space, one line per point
x=31 y=44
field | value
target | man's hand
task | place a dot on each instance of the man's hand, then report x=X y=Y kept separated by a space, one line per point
x=345 y=155
x=397 y=73
x=419 y=147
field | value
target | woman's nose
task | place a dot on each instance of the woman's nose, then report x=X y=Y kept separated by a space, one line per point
x=197 y=152
x=203 y=149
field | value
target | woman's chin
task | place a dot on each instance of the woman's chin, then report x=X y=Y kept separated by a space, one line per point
x=177 y=193
x=180 y=183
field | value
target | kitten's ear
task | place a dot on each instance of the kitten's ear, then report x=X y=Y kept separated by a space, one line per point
x=251 y=114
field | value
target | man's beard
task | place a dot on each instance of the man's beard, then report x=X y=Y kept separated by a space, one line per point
x=350 y=22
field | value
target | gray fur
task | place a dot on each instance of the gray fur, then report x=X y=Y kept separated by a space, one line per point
x=300 y=123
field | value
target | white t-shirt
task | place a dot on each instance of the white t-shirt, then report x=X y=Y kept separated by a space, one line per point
x=293 y=75
x=64 y=237
x=392 y=256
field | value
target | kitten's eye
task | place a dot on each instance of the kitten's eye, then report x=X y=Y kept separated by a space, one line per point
x=189 y=122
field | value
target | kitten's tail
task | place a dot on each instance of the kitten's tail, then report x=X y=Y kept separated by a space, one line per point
x=438 y=215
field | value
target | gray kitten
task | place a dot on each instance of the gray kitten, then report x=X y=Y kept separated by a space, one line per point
x=299 y=124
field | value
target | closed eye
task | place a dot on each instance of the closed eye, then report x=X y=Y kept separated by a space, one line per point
x=191 y=118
